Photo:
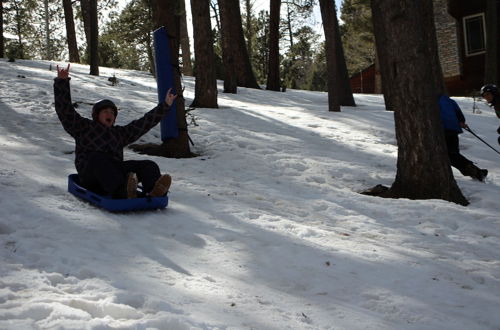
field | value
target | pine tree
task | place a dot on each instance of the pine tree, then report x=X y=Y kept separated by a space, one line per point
x=126 y=40
x=19 y=14
x=165 y=13
x=273 y=77
x=261 y=46
x=74 y=55
x=94 y=38
x=187 y=65
x=206 y=83
x=339 y=88
x=407 y=46
x=357 y=35
x=237 y=65
x=297 y=65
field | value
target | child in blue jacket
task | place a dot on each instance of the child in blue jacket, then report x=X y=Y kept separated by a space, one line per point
x=453 y=121
x=99 y=145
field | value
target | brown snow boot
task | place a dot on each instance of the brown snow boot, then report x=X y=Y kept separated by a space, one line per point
x=131 y=185
x=475 y=172
x=161 y=186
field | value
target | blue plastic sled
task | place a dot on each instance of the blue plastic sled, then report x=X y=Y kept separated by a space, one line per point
x=115 y=205
x=164 y=81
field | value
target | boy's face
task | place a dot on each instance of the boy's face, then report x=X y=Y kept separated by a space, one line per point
x=106 y=117
x=488 y=97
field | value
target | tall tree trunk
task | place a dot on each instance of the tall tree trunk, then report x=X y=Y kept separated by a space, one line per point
x=85 y=7
x=234 y=44
x=205 y=91
x=492 y=70
x=19 y=24
x=249 y=27
x=407 y=48
x=48 y=46
x=70 y=32
x=94 y=38
x=167 y=13
x=339 y=87
x=187 y=66
x=289 y=26
x=228 y=52
x=2 y=45
x=273 y=74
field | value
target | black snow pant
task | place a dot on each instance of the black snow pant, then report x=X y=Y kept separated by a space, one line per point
x=498 y=131
x=456 y=159
x=107 y=176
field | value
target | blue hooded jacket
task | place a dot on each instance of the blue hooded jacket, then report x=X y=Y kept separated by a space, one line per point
x=451 y=115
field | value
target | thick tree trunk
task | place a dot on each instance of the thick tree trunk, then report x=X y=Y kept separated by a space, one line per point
x=187 y=65
x=228 y=52
x=339 y=87
x=166 y=13
x=48 y=45
x=248 y=27
x=205 y=91
x=234 y=46
x=2 y=45
x=273 y=74
x=94 y=38
x=492 y=70
x=85 y=8
x=70 y=32
x=19 y=24
x=407 y=48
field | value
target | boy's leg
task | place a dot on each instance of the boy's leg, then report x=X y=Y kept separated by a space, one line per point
x=465 y=166
x=105 y=175
x=147 y=172
x=456 y=159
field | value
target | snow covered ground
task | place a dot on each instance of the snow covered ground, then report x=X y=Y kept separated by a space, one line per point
x=264 y=230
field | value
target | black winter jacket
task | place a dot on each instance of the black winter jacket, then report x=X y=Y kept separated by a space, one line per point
x=91 y=136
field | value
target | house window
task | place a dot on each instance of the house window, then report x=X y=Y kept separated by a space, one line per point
x=475 y=34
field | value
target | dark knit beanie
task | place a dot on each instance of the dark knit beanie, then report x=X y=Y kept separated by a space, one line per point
x=103 y=104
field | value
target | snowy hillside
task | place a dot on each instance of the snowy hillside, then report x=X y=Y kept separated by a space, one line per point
x=264 y=230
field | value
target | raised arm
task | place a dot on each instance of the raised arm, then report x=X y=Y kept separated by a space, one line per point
x=141 y=126
x=71 y=120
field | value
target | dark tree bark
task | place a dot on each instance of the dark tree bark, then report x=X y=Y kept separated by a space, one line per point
x=70 y=32
x=407 y=48
x=48 y=43
x=166 y=13
x=228 y=53
x=187 y=65
x=492 y=70
x=2 y=46
x=94 y=38
x=205 y=91
x=273 y=74
x=339 y=87
x=249 y=27
x=235 y=55
x=85 y=8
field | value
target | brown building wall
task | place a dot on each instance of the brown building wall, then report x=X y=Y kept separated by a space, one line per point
x=448 y=44
x=364 y=82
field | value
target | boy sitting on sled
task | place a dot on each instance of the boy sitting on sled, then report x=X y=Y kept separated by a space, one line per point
x=99 y=145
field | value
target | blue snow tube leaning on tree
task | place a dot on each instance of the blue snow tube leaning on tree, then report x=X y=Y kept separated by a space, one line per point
x=164 y=81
